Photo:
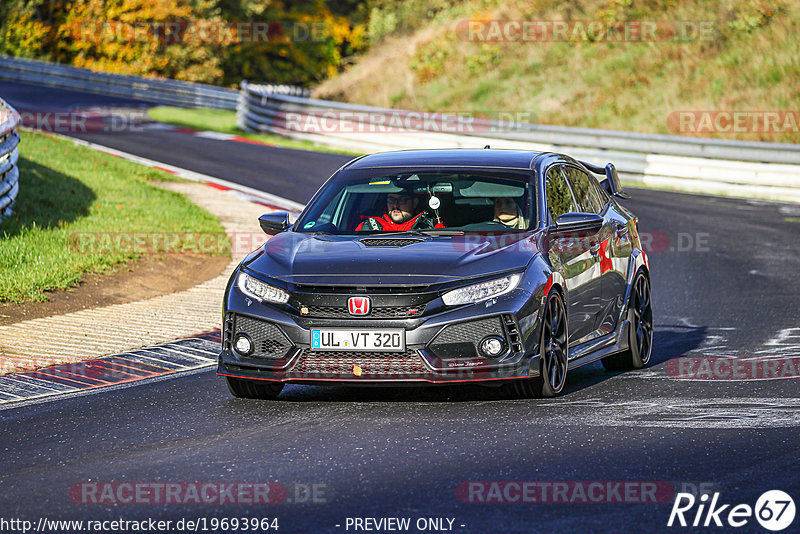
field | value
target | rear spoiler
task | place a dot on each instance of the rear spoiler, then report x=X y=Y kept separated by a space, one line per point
x=611 y=183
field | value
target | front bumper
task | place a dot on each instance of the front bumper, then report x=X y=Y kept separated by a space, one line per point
x=440 y=349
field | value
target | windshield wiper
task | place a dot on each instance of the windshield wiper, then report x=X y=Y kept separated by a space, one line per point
x=434 y=232
x=442 y=231
x=392 y=234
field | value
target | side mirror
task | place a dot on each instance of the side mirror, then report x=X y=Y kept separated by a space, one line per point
x=590 y=222
x=275 y=222
x=612 y=183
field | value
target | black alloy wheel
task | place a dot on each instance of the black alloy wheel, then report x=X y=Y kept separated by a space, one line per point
x=553 y=350
x=640 y=331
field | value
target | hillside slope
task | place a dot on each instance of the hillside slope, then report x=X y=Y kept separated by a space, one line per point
x=729 y=56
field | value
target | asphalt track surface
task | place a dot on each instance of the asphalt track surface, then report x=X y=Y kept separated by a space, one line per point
x=292 y=174
x=725 y=284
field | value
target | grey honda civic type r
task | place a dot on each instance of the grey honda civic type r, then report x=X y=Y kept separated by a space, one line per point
x=442 y=267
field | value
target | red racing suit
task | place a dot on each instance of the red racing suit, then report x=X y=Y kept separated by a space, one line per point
x=386 y=224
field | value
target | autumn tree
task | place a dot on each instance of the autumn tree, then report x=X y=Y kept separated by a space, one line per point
x=210 y=41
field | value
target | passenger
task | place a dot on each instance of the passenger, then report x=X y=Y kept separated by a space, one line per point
x=399 y=216
x=507 y=212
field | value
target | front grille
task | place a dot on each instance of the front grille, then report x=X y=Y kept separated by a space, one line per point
x=339 y=364
x=386 y=289
x=389 y=242
x=461 y=340
x=268 y=339
x=379 y=312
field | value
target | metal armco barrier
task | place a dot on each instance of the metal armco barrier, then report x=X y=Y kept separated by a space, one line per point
x=9 y=154
x=722 y=167
x=156 y=90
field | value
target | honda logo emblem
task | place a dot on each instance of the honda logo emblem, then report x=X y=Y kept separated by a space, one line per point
x=358 y=305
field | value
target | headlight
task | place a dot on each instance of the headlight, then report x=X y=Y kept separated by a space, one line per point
x=261 y=291
x=482 y=291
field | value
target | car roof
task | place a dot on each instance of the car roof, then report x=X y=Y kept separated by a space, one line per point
x=450 y=158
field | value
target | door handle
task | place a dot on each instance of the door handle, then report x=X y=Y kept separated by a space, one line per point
x=594 y=249
x=622 y=232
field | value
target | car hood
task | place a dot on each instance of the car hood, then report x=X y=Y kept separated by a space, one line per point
x=346 y=260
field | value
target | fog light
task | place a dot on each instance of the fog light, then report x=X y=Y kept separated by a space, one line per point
x=243 y=344
x=492 y=346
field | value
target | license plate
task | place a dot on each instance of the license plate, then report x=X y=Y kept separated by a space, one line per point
x=384 y=340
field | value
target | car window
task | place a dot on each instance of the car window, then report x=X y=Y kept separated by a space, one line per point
x=369 y=201
x=559 y=197
x=601 y=192
x=585 y=195
x=328 y=214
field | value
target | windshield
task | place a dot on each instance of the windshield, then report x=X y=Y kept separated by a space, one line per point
x=439 y=202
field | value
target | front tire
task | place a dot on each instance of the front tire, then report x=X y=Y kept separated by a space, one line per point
x=553 y=353
x=640 y=331
x=252 y=389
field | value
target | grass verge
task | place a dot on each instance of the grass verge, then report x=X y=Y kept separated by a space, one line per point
x=68 y=193
x=224 y=121
x=741 y=62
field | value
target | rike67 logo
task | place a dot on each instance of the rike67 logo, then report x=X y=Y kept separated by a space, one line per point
x=774 y=510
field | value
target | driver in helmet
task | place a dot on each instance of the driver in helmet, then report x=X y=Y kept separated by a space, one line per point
x=401 y=215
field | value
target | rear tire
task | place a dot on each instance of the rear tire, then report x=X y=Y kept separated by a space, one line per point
x=252 y=389
x=640 y=331
x=553 y=353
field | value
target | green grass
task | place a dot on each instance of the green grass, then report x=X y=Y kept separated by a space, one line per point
x=748 y=61
x=66 y=192
x=224 y=121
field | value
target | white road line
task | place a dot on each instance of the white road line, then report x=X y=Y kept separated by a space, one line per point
x=166 y=361
x=198 y=349
x=39 y=381
x=10 y=405
x=202 y=358
x=35 y=386
x=787 y=337
x=137 y=354
x=670 y=412
x=215 y=135
x=4 y=392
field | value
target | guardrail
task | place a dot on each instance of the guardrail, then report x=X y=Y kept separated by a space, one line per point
x=155 y=90
x=738 y=168
x=9 y=155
